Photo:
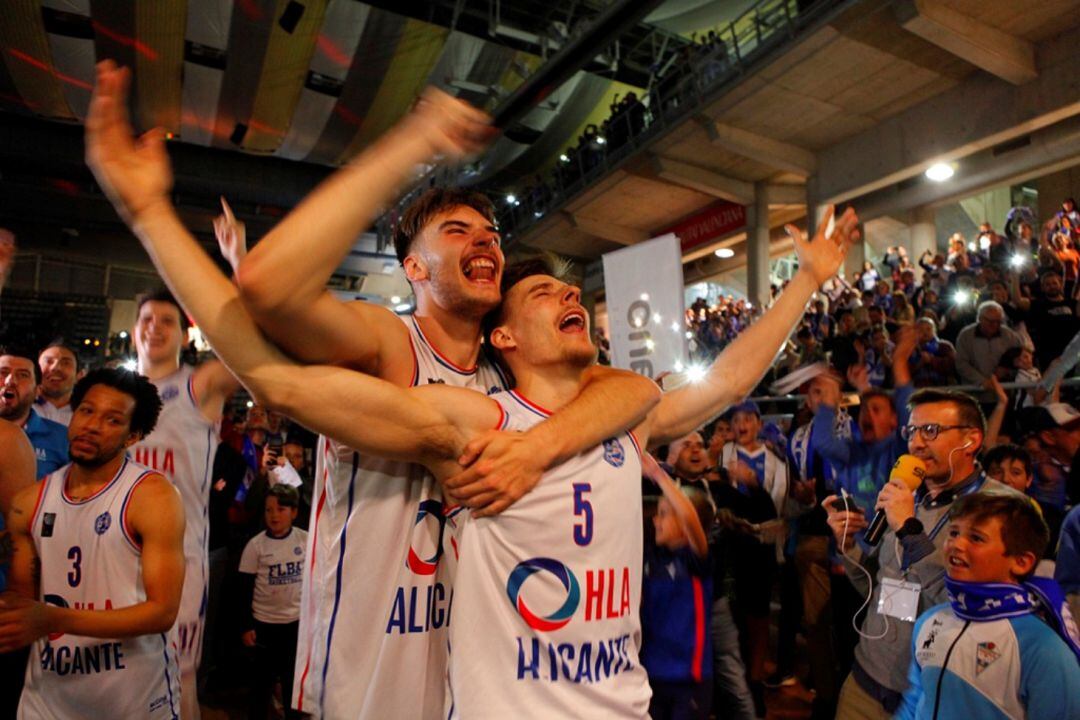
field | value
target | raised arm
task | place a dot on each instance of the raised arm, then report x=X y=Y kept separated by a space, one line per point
x=363 y=412
x=283 y=278
x=685 y=513
x=742 y=364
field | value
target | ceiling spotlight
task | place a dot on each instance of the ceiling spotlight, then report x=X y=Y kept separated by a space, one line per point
x=564 y=158
x=395 y=300
x=510 y=199
x=725 y=253
x=123 y=335
x=130 y=365
x=644 y=297
x=939 y=172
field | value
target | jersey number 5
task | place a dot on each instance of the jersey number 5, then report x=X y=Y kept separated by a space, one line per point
x=583 y=509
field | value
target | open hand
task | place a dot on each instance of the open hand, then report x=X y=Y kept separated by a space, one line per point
x=134 y=172
x=822 y=256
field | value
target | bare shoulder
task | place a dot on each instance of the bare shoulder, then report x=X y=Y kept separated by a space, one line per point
x=470 y=410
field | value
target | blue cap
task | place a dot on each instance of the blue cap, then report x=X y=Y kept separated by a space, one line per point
x=746 y=406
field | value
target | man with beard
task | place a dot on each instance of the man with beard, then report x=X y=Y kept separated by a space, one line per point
x=59 y=368
x=98 y=566
x=945 y=432
x=19 y=379
x=454 y=255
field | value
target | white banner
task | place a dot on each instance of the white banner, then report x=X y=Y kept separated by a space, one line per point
x=646 y=315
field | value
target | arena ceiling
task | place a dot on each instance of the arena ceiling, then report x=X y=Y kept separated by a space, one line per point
x=314 y=80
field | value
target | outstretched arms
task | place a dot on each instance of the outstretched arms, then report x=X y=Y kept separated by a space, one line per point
x=365 y=413
x=741 y=365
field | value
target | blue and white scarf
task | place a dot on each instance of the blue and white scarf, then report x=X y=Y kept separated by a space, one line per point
x=982 y=602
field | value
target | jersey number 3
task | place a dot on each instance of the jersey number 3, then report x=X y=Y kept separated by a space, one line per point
x=583 y=509
x=74 y=576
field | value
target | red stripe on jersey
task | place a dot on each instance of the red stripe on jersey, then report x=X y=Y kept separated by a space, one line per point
x=634 y=441
x=128 y=534
x=451 y=363
x=311 y=566
x=529 y=403
x=699 y=630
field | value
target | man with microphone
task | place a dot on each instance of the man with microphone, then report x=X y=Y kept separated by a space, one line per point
x=905 y=564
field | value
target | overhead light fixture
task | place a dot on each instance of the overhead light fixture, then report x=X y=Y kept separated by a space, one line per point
x=511 y=200
x=564 y=158
x=940 y=172
x=725 y=253
x=130 y=365
x=395 y=300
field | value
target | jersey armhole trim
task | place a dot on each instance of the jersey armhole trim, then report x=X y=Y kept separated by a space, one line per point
x=634 y=441
x=128 y=534
x=415 y=363
x=503 y=417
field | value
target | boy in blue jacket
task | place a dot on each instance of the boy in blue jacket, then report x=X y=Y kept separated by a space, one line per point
x=1004 y=646
x=676 y=598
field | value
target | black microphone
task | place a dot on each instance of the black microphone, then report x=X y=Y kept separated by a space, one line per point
x=909 y=470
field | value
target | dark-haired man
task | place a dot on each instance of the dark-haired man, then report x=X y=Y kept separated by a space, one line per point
x=452 y=247
x=945 y=431
x=182 y=447
x=19 y=380
x=98 y=566
x=59 y=370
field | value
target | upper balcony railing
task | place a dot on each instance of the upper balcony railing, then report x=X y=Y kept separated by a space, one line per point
x=680 y=88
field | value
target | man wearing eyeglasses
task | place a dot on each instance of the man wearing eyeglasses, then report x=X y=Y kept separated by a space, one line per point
x=945 y=431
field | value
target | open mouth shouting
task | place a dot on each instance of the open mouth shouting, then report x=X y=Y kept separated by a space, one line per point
x=573 y=321
x=480 y=269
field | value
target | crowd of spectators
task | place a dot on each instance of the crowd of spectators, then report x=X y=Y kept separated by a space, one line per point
x=1001 y=308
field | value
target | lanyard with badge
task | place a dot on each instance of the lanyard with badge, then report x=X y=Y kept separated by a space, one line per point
x=899 y=598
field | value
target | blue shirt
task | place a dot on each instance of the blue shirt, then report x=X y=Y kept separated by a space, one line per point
x=861 y=468
x=1067 y=568
x=50 y=443
x=1006 y=668
x=676 y=604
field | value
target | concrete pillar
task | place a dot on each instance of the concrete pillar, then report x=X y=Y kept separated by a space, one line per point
x=923 y=233
x=856 y=256
x=757 y=247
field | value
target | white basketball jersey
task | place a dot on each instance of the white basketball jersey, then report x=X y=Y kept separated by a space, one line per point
x=377 y=594
x=547 y=593
x=182 y=449
x=90 y=560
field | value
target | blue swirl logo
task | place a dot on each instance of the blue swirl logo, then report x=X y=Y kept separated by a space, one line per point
x=563 y=574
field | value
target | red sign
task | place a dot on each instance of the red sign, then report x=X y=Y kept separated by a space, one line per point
x=714 y=221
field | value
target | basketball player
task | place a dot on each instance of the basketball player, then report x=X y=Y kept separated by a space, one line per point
x=362 y=501
x=182 y=449
x=98 y=567
x=137 y=179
